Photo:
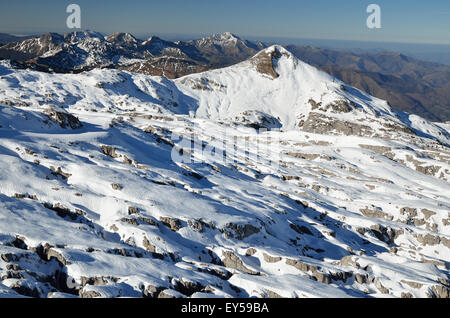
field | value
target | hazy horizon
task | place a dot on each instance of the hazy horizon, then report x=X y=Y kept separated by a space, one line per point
x=402 y=21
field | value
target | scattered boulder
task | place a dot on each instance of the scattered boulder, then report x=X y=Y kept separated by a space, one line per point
x=241 y=232
x=232 y=261
x=271 y=259
x=428 y=213
x=133 y=210
x=385 y=234
x=428 y=239
x=188 y=288
x=90 y=294
x=377 y=213
x=152 y=291
x=304 y=267
x=173 y=224
x=251 y=251
x=60 y=172
x=380 y=286
x=361 y=278
x=63 y=118
x=109 y=151
x=116 y=186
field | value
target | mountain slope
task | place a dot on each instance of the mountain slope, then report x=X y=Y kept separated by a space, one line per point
x=408 y=84
x=137 y=208
x=277 y=84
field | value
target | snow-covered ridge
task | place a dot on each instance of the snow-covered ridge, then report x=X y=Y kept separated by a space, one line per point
x=94 y=206
x=276 y=83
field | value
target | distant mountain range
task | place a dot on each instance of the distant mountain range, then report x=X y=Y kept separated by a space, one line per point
x=406 y=83
x=7 y=38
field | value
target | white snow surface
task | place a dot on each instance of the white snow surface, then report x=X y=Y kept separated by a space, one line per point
x=342 y=215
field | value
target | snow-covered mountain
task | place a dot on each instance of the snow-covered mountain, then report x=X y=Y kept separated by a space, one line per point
x=114 y=183
x=85 y=50
x=226 y=46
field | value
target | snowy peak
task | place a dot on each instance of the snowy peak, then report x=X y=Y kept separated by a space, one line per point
x=156 y=45
x=226 y=45
x=124 y=39
x=153 y=39
x=288 y=93
x=277 y=62
x=36 y=46
x=223 y=38
x=267 y=60
x=75 y=37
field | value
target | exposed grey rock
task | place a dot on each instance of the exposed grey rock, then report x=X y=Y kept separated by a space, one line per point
x=380 y=286
x=127 y=161
x=385 y=234
x=152 y=291
x=130 y=221
x=64 y=119
x=271 y=259
x=411 y=212
x=241 y=232
x=232 y=261
x=147 y=220
x=173 y=224
x=440 y=291
x=322 y=277
x=428 y=239
x=89 y=294
x=414 y=285
x=196 y=225
x=116 y=186
x=361 y=279
x=271 y=294
x=304 y=267
x=166 y=294
x=59 y=172
x=264 y=62
x=51 y=253
x=62 y=211
x=188 y=288
x=251 y=251
x=257 y=120
x=349 y=260
x=445 y=242
x=320 y=124
x=428 y=213
x=377 y=213
x=97 y=281
x=340 y=106
x=133 y=210
x=109 y=151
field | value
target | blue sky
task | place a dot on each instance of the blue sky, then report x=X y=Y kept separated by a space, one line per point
x=402 y=20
